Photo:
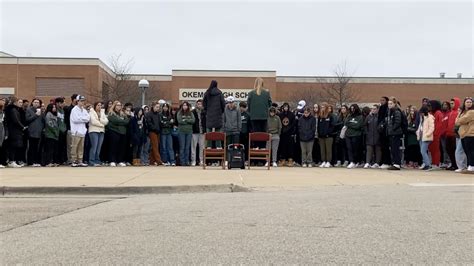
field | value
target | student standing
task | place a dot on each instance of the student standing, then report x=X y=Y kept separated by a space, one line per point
x=425 y=136
x=395 y=133
x=232 y=121
x=96 y=132
x=274 y=128
x=354 y=124
x=78 y=120
x=15 y=130
x=259 y=101
x=214 y=106
x=465 y=122
x=51 y=134
x=167 y=124
x=137 y=135
x=325 y=130
x=199 y=128
x=185 y=124
x=154 y=129
x=306 y=129
x=118 y=123
x=35 y=122
x=287 y=137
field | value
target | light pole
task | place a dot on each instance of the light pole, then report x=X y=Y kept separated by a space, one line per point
x=143 y=85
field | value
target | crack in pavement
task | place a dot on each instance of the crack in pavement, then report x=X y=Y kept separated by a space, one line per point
x=57 y=215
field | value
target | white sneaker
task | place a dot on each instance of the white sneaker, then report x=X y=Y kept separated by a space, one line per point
x=323 y=164
x=2 y=166
x=338 y=164
x=201 y=163
x=310 y=165
x=36 y=165
x=74 y=165
x=459 y=170
x=384 y=166
x=173 y=164
x=266 y=164
x=375 y=166
x=275 y=164
x=470 y=168
x=421 y=166
x=227 y=164
x=113 y=165
x=367 y=166
x=122 y=164
x=13 y=165
x=193 y=163
x=328 y=165
x=351 y=165
x=346 y=163
x=304 y=165
x=434 y=168
x=83 y=165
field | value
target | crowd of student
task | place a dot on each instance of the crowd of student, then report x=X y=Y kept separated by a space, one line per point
x=435 y=136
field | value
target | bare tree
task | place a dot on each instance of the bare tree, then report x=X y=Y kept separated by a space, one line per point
x=338 y=90
x=309 y=94
x=121 y=86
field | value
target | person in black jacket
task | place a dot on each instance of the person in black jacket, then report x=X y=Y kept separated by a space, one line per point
x=137 y=135
x=154 y=130
x=306 y=129
x=325 y=130
x=214 y=106
x=384 y=140
x=287 y=137
x=395 y=133
x=199 y=128
x=16 y=130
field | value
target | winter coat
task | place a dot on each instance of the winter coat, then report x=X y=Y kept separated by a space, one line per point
x=394 y=122
x=79 y=118
x=466 y=124
x=185 y=122
x=166 y=122
x=325 y=126
x=372 y=135
x=245 y=117
x=137 y=131
x=35 y=123
x=118 y=124
x=355 y=125
x=306 y=128
x=14 y=125
x=153 y=122
x=214 y=105
x=61 y=122
x=51 y=130
x=426 y=130
x=97 y=124
x=199 y=126
x=288 y=122
x=258 y=105
x=410 y=136
x=232 y=121
x=453 y=115
x=274 y=125
x=2 y=128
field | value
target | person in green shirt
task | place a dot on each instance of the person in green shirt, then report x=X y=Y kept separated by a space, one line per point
x=355 y=126
x=258 y=103
x=185 y=126
x=117 y=127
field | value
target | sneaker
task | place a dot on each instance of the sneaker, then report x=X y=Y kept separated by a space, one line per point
x=113 y=165
x=266 y=164
x=322 y=165
x=122 y=164
x=275 y=164
x=426 y=168
x=167 y=164
x=435 y=168
x=173 y=164
x=193 y=163
x=50 y=165
x=459 y=170
x=367 y=166
x=328 y=165
x=304 y=165
x=351 y=166
x=421 y=166
x=346 y=163
x=394 y=167
x=2 y=166
x=227 y=164
x=310 y=165
x=219 y=148
x=385 y=166
x=338 y=164
x=74 y=165
x=13 y=165
x=470 y=168
x=375 y=166
x=36 y=165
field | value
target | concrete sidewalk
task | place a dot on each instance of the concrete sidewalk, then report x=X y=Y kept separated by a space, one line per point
x=257 y=178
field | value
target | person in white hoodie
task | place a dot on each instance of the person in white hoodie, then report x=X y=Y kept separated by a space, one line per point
x=97 y=125
x=79 y=118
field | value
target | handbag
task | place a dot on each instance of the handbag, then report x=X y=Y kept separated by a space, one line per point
x=343 y=132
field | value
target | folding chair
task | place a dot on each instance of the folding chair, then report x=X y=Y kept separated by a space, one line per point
x=260 y=154
x=213 y=153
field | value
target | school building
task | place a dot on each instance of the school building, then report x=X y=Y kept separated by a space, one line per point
x=50 y=77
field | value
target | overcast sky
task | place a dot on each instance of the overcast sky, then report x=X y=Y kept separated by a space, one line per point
x=398 y=38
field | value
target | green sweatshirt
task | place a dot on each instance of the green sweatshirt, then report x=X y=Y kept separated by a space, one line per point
x=274 y=125
x=118 y=124
x=185 y=122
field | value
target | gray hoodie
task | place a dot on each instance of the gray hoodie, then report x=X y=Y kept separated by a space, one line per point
x=232 y=121
x=35 y=123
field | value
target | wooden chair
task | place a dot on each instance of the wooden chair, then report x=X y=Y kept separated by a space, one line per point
x=260 y=154
x=213 y=153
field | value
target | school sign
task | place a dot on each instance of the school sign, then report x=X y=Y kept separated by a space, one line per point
x=194 y=94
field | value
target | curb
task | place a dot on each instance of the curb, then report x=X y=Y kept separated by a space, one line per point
x=225 y=188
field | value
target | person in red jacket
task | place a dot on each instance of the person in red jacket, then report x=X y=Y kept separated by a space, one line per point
x=451 y=134
x=435 y=109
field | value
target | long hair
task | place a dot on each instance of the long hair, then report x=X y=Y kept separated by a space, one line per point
x=112 y=109
x=463 y=107
x=187 y=112
x=213 y=84
x=166 y=113
x=258 y=85
x=325 y=113
x=356 y=111
x=49 y=109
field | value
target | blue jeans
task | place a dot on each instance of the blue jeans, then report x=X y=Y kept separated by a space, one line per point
x=167 y=152
x=184 y=147
x=461 y=159
x=96 y=140
x=424 y=152
x=145 y=156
